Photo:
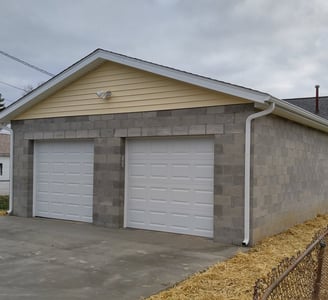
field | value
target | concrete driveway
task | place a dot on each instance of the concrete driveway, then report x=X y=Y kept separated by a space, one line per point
x=51 y=259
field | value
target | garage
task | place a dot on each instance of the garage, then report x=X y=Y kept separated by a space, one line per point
x=169 y=185
x=63 y=180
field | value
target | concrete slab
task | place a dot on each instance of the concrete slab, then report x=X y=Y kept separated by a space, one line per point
x=52 y=259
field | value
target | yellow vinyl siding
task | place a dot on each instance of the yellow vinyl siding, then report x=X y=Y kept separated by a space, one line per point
x=132 y=91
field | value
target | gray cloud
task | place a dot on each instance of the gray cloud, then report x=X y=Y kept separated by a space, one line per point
x=275 y=46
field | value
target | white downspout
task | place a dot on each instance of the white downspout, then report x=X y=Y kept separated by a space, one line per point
x=248 y=128
x=11 y=159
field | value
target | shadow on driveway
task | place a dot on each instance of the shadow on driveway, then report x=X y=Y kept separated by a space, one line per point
x=52 y=259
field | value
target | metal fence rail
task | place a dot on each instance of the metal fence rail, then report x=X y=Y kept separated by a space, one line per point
x=302 y=277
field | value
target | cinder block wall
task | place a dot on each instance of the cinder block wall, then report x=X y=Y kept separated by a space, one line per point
x=109 y=132
x=289 y=175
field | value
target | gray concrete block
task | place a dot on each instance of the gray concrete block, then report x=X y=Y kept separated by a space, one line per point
x=70 y=134
x=82 y=134
x=29 y=135
x=148 y=131
x=48 y=135
x=197 y=129
x=215 y=110
x=135 y=115
x=225 y=118
x=38 y=135
x=107 y=117
x=149 y=114
x=285 y=174
x=110 y=151
x=92 y=133
x=106 y=132
x=59 y=134
x=214 y=129
x=238 y=108
x=120 y=132
x=234 y=128
x=163 y=131
x=180 y=130
x=164 y=113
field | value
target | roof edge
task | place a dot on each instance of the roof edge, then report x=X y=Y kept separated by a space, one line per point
x=99 y=56
x=296 y=114
x=52 y=85
x=187 y=77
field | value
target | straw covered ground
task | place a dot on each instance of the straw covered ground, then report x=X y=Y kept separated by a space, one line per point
x=2 y=213
x=234 y=279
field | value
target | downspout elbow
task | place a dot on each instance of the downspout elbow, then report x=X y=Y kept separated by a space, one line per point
x=249 y=120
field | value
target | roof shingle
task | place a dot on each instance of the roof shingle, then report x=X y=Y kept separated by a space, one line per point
x=308 y=104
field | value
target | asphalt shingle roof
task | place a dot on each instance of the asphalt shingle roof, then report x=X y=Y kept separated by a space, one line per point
x=309 y=105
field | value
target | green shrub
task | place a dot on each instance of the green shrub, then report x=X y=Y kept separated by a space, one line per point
x=4 y=202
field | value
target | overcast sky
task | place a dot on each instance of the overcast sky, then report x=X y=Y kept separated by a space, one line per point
x=279 y=47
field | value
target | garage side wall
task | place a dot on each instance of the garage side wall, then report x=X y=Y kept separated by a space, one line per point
x=289 y=175
x=109 y=132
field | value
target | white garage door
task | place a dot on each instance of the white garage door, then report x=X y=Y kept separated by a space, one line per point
x=63 y=180
x=170 y=185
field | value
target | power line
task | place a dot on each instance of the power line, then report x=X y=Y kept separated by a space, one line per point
x=13 y=86
x=27 y=64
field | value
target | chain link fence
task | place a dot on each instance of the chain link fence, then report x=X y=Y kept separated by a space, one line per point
x=302 y=277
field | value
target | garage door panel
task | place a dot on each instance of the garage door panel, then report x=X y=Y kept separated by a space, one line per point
x=64 y=180
x=159 y=170
x=158 y=193
x=157 y=148
x=204 y=171
x=84 y=200
x=137 y=216
x=43 y=187
x=181 y=222
x=201 y=224
x=176 y=179
x=138 y=170
x=86 y=168
x=180 y=170
x=157 y=218
x=56 y=188
x=202 y=210
x=138 y=192
x=53 y=177
x=180 y=196
x=202 y=196
x=139 y=205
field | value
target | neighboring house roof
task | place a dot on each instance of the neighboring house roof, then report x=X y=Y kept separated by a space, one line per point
x=4 y=144
x=99 y=56
x=308 y=103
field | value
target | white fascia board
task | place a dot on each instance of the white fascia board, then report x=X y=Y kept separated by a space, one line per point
x=197 y=80
x=99 y=56
x=297 y=114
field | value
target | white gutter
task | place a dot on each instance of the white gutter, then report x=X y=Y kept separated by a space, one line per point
x=11 y=159
x=296 y=114
x=249 y=119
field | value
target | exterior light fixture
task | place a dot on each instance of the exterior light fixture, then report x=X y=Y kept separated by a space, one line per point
x=104 y=94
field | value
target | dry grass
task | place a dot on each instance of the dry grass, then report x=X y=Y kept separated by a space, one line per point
x=3 y=213
x=234 y=279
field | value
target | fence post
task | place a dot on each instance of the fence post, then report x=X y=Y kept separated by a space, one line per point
x=317 y=283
